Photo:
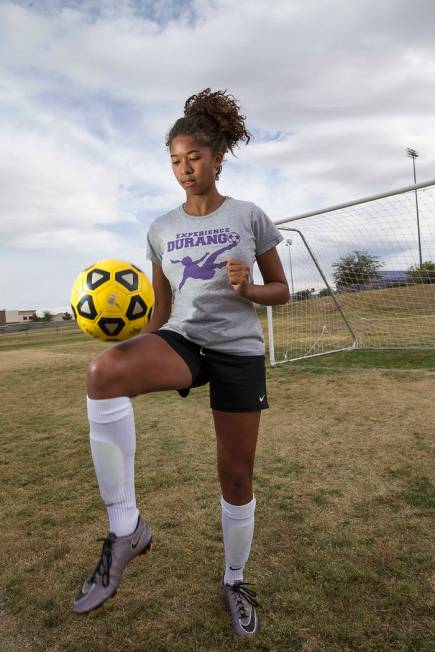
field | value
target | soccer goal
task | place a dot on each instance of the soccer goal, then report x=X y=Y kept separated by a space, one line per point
x=361 y=276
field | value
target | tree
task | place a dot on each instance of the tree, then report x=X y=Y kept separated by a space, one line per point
x=325 y=292
x=356 y=267
x=302 y=295
x=424 y=273
x=66 y=316
x=47 y=316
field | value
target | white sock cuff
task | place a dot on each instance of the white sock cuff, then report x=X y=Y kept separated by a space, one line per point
x=108 y=410
x=239 y=511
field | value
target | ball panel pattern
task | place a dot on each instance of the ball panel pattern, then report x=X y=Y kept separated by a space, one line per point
x=111 y=326
x=128 y=278
x=96 y=277
x=86 y=307
x=137 y=308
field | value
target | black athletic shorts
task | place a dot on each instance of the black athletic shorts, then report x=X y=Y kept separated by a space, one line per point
x=237 y=382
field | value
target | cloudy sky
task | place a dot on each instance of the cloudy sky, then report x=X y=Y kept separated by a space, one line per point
x=334 y=91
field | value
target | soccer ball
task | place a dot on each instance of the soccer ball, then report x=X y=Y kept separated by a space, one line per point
x=233 y=238
x=112 y=300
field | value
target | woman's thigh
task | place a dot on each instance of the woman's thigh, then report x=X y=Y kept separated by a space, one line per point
x=145 y=363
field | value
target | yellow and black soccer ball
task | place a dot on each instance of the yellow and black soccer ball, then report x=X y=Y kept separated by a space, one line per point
x=112 y=300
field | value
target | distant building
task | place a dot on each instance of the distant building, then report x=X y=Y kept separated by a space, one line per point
x=16 y=316
x=385 y=279
x=58 y=316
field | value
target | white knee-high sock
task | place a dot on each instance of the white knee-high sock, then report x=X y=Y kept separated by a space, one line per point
x=238 y=530
x=113 y=444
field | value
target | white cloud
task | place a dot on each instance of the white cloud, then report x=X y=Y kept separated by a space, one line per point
x=49 y=187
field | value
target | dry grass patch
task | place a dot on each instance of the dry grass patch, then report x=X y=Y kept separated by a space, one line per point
x=342 y=553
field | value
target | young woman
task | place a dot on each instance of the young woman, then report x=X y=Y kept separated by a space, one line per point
x=204 y=329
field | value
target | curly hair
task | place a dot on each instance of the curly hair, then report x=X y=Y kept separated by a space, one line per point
x=214 y=119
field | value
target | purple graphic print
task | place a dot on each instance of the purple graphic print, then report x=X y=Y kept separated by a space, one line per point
x=192 y=268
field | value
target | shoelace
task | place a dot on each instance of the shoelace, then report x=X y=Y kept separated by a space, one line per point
x=105 y=561
x=248 y=594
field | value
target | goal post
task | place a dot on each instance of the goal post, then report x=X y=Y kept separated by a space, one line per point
x=361 y=275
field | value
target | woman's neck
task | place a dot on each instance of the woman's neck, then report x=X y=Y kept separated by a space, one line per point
x=200 y=205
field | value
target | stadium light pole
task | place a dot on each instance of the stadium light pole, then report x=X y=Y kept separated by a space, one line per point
x=413 y=154
x=288 y=242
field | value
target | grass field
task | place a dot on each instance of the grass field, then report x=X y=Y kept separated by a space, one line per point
x=342 y=557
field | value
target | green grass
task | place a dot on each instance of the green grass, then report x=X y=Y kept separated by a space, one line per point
x=41 y=338
x=342 y=557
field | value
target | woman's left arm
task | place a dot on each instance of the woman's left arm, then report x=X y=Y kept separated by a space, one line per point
x=275 y=289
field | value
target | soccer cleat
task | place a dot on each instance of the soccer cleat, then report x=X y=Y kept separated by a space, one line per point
x=115 y=555
x=241 y=604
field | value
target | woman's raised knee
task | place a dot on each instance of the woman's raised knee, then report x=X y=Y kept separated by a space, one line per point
x=105 y=375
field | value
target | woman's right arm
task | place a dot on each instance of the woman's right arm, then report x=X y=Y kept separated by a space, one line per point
x=162 y=300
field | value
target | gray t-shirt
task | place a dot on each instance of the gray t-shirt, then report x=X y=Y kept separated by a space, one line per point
x=192 y=252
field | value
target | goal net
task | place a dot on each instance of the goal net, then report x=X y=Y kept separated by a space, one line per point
x=361 y=275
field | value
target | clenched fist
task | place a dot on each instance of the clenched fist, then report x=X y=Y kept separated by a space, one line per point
x=238 y=276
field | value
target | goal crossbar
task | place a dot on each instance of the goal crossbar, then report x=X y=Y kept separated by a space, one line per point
x=355 y=202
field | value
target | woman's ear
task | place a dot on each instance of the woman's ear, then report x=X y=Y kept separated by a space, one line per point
x=219 y=158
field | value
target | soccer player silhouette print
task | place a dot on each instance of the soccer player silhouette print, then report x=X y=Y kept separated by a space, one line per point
x=193 y=270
